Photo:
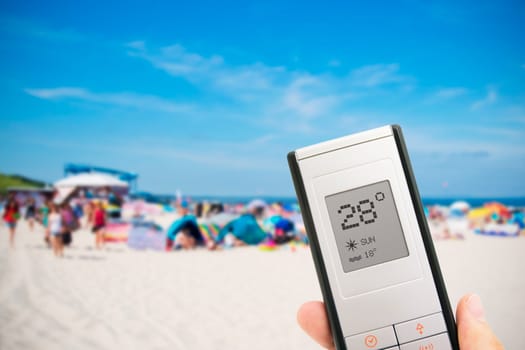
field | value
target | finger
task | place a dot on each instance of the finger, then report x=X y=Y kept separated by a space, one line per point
x=473 y=330
x=313 y=320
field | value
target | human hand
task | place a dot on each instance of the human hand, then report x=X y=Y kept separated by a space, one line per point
x=473 y=330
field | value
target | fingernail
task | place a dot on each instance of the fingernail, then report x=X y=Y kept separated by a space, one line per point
x=475 y=307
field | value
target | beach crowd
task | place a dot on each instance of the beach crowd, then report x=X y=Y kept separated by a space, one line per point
x=201 y=224
x=196 y=224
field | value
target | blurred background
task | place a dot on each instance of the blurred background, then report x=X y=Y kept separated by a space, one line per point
x=199 y=102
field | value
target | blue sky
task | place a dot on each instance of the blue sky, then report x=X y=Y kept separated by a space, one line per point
x=208 y=97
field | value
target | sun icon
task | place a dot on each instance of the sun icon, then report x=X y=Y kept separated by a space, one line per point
x=351 y=245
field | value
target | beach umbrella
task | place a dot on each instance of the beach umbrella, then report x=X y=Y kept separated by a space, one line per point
x=479 y=213
x=499 y=209
x=459 y=208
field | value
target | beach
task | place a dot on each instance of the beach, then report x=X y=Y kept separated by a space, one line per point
x=241 y=298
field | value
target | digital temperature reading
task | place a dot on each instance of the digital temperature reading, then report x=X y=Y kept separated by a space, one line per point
x=366 y=226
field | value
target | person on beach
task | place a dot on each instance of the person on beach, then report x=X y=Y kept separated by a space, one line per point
x=69 y=223
x=55 y=229
x=31 y=213
x=77 y=206
x=44 y=220
x=184 y=233
x=474 y=332
x=115 y=201
x=11 y=216
x=99 y=223
x=281 y=228
x=245 y=230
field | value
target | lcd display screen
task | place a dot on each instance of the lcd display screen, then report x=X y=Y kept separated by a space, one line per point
x=366 y=226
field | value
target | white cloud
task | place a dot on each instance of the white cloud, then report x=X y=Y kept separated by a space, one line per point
x=217 y=159
x=136 y=45
x=308 y=106
x=448 y=93
x=272 y=87
x=264 y=139
x=377 y=75
x=499 y=132
x=210 y=72
x=489 y=99
x=123 y=99
x=218 y=154
x=493 y=143
x=262 y=95
x=274 y=95
x=58 y=93
x=309 y=96
x=177 y=61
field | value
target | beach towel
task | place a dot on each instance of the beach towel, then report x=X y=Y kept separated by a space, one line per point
x=499 y=230
x=146 y=235
x=209 y=231
x=116 y=232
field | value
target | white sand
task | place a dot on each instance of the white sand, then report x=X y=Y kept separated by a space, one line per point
x=238 y=299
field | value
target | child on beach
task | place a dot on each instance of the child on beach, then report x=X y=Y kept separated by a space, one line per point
x=11 y=216
x=99 y=222
x=55 y=229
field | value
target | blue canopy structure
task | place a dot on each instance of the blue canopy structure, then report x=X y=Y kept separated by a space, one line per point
x=74 y=169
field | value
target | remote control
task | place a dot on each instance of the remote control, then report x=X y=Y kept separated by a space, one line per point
x=372 y=249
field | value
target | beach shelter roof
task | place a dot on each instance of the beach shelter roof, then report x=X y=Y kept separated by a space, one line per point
x=90 y=180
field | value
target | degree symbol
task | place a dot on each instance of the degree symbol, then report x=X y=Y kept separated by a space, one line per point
x=380 y=196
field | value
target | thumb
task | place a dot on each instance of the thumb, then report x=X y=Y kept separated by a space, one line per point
x=473 y=330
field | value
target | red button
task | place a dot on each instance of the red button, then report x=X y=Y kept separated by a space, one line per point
x=380 y=338
x=370 y=341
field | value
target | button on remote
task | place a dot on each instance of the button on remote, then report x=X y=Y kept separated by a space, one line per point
x=373 y=340
x=420 y=328
x=437 y=342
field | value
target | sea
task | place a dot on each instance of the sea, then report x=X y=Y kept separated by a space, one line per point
x=517 y=202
